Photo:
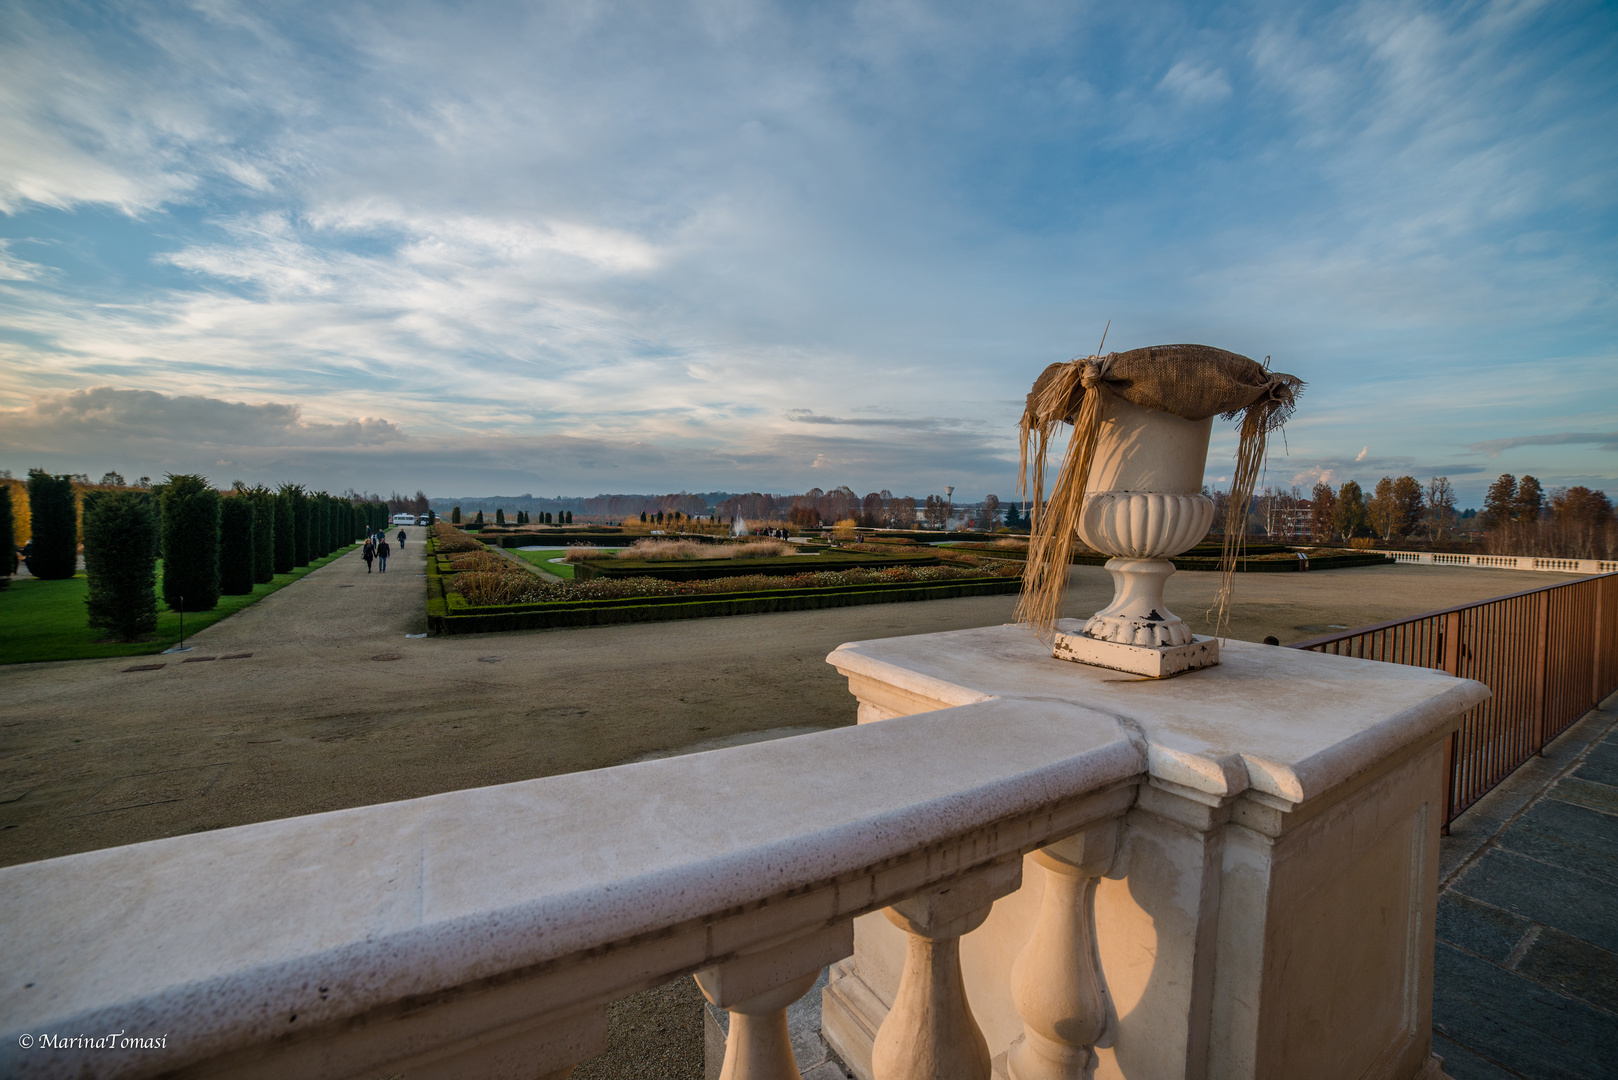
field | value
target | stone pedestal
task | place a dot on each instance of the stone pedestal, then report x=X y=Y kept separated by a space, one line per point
x=1269 y=909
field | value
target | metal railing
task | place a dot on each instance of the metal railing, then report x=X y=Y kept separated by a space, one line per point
x=1549 y=655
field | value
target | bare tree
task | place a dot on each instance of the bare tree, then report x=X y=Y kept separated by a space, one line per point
x=1440 y=507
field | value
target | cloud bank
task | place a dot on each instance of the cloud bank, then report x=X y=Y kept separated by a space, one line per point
x=773 y=240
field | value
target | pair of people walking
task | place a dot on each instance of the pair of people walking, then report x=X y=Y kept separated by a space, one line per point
x=376 y=549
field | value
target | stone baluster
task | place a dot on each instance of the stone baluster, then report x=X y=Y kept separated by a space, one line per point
x=1056 y=979
x=756 y=989
x=930 y=1033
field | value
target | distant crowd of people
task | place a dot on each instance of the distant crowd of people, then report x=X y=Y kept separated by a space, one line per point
x=376 y=549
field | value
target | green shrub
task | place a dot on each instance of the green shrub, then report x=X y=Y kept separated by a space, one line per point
x=236 y=560
x=479 y=519
x=286 y=523
x=190 y=543
x=54 y=528
x=8 y=534
x=263 y=500
x=499 y=516
x=455 y=516
x=300 y=527
x=120 y=561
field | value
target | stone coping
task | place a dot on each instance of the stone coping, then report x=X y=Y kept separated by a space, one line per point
x=1287 y=723
x=580 y=888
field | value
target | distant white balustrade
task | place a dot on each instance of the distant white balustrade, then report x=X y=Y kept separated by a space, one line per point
x=1503 y=562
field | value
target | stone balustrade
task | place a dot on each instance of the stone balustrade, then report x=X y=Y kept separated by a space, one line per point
x=1506 y=562
x=1138 y=881
x=483 y=932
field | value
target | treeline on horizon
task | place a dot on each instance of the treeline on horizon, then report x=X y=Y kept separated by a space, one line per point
x=1519 y=517
x=211 y=542
x=813 y=508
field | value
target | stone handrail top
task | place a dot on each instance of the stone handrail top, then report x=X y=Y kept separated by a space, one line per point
x=266 y=930
x=1205 y=730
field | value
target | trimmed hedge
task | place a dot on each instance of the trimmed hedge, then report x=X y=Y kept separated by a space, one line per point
x=584 y=535
x=286 y=522
x=54 y=551
x=120 y=563
x=190 y=543
x=236 y=545
x=263 y=500
x=447 y=620
x=707 y=569
x=300 y=527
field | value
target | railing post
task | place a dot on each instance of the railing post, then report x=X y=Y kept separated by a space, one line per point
x=1451 y=662
x=930 y=1033
x=1056 y=979
x=1541 y=662
x=1601 y=646
x=757 y=988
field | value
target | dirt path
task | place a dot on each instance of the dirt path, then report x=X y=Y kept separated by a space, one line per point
x=91 y=756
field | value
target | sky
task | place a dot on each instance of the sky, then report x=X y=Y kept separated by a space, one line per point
x=572 y=248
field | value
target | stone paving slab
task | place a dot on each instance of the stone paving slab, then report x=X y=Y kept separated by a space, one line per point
x=1526 y=966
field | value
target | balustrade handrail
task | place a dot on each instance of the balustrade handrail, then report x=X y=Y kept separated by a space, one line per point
x=501 y=920
x=1548 y=656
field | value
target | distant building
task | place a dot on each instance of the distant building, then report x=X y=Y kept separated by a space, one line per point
x=1290 y=522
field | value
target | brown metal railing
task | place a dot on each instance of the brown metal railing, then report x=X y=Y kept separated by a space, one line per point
x=1549 y=655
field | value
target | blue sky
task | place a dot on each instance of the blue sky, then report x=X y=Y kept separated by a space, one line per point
x=573 y=248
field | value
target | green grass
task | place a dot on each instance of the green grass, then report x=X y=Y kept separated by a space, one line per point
x=45 y=620
x=542 y=559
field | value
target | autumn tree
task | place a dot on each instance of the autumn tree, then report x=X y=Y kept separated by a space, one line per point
x=1351 y=519
x=1500 y=503
x=1322 y=512
x=991 y=513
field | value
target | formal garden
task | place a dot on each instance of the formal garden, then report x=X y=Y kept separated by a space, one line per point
x=475 y=588
x=157 y=561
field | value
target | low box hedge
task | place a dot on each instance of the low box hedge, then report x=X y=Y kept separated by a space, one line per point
x=707 y=569
x=451 y=615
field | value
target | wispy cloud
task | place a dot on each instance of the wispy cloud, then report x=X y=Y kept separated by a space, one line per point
x=1495 y=447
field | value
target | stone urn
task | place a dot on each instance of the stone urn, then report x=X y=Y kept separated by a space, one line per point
x=1143 y=505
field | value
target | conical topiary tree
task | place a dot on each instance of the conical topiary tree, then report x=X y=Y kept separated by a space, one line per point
x=317 y=525
x=54 y=528
x=190 y=543
x=236 y=546
x=286 y=524
x=300 y=527
x=263 y=500
x=120 y=561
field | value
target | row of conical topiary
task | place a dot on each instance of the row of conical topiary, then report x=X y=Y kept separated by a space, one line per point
x=211 y=543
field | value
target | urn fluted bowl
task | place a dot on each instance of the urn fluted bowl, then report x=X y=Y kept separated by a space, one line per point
x=1144 y=504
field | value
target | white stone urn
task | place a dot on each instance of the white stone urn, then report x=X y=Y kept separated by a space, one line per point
x=1143 y=505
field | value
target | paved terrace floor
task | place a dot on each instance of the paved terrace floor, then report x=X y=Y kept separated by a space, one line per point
x=1527 y=955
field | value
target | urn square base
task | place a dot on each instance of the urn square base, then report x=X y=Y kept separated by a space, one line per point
x=1161 y=663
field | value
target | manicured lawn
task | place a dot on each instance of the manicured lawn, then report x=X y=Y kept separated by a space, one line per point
x=45 y=620
x=542 y=559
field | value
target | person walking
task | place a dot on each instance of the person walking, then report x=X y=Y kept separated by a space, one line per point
x=401 y=539
x=368 y=554
x=382 y=555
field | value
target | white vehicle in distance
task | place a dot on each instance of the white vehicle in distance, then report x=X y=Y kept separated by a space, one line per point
x=404 y=519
